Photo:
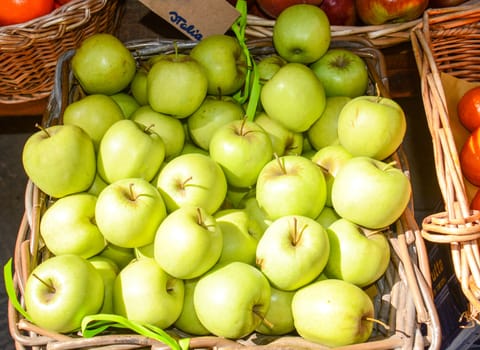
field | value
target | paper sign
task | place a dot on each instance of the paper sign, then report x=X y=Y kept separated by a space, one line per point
x=196 y=19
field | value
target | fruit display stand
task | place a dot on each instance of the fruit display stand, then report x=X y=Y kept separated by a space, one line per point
x=403 y=301
x=446 y=45
x=30 y=50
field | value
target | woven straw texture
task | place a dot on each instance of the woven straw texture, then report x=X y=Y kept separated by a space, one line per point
x=29 y=51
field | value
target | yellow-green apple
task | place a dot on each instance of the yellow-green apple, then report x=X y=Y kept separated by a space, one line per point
x=188 y=242
x=192 y=179
x=68 y=226
x=283 y=140
x=330 y=159
x=291 y=185
x=97 y=185
x=108 y=270
x=138 y=86
x=294 y=96
x=94 y=114
x=129 y=149
x=224 y=61
x=273 y=8
x=301 y=33
x=238 y=242
x=268 y=65
x=119 y=255
x=232 y=300
x=363 y=183
x=129 y=211
x=343 y=310
x=169 y=128
x=103 y=64
x=340 y=12
x=145 y=251
x=214 y=112
x=342 y=73
x=60 y=160
x=293 y=251
x=144 y=293
x=327 y=216
x=323 y=131
x=61 y=291
x=127 y=103
x=357 y=255
x=176 y=85
x=260 y=220
x=375 y=12
x=241 y=148
x=188 y=320
x=190 y=147
x=279 y=314
x=371 y=126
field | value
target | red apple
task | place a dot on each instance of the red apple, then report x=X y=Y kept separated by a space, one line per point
x=340 y=12
x=444 y=3
x=272 y=8
x=375 y=12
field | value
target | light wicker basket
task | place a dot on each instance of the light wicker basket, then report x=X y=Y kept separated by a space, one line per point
x=403 y=301
x=29 y=51
x=381 y=36
x=446 y=46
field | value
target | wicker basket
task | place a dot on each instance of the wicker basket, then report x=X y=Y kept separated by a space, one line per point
x=382 y=36
x=403 y=300
x=29 y=51
x=447 y=46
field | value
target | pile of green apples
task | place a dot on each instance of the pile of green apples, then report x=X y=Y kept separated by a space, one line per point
x=170 y=206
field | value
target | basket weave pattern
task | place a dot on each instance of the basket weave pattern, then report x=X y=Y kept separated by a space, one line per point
x=448 y=42
x=29 y=51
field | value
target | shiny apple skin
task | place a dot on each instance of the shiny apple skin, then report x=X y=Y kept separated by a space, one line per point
x=340 y=12
x=375 y=12
x=272 y=8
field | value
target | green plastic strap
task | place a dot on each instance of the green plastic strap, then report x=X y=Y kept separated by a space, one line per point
x=95 y=324
x=251 y=91
x=10 y=289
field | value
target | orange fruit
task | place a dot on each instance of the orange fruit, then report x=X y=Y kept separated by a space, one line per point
x=469 y=158
x=475 y=202
x=19 y=11
x=468 y=109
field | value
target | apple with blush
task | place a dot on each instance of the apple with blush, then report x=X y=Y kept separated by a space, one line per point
x=340 y=12
x=375 y=12
x=273 y=8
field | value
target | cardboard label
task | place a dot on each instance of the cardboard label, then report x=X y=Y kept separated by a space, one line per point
x=194 y=18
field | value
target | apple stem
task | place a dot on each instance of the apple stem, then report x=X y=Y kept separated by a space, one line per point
x=383 y=324
x=184 y=183
x=199 y=217
x=133 y=197
x=49 y=286
x=264 y=320
x=297 y=234
x=149 y=128
x=280 y=164
x=38 y=126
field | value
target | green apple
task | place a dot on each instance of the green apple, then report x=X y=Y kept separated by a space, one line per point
x=144 y=293
x=214 y=112
x=94 y=114
x=68 y=226
x=324 y=132
x=238 y=243
x=127 y=103
x=103 y=64
x=119 y=255
x=258 y=216
x=129 y=211
x=371 y=193
x=291 y=185
x=279 y=314
x=224 y=61
x=61 y=291
x=138 y=87
x=169 y=128
x=241 y=148
x=293 y=251
x=232 y=300
x=294 y=96
x=188 y=242
x=371 y=126
x=357 y=255
x=192 y=179
x=130 y=149
x=97 y=185
x=295 y=143
x=282 y=138
x=60 y=160
x=327 y=216
x=176 y=85
x=302 y=33
x=189 y=147
x=330 y=159
x=267 y=66
x=188 y=320
x=145 y=251
x=342 y=73
x=343 y=310
x=109 y=271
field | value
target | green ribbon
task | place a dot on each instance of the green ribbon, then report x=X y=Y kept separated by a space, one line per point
x=251 y=91
x=10 y=289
